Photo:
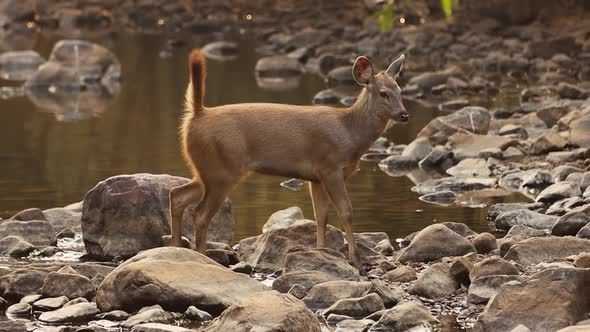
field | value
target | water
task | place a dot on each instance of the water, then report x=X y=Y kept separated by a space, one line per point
x=45 y=162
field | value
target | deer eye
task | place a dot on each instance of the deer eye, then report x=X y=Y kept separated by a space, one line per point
x=383 y=94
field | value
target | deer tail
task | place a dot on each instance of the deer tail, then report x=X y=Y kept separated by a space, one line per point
x=198 y=73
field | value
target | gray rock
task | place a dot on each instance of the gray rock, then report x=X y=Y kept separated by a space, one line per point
x=401 y=274
x=356 y=307
x=62 y=218
x=584 y=232
x=70 y=285
x=28 y=215
x=158 y=327
x=525 y=218
x=298 y=291
x=307 y=279
x=546 y=48
x=283 y=218
x=113 y=224
x=398 y=164
x=470 y=168
x=558 y=191
x=579 y=131
x=434 y=242
x=570 y=91
x=403 y=317
x=454 y=184
x=561 y=172
x=323 y=260
x=74 y=313
x=325 y=294
x=19 y=310
x=520 y=328
x=497 y=209
x=462 y=267
x=492 y=266
x=193 y=313
x=453 y=105
x=536 y=180
x=30 y=299
x=459 y=228
x=327 y=97
x=20 y=283
x=334 y=318
x=437 y=282
x=562 y=157
x=571 y=223
x=52 y=303
x=115 y=315
x=484 y=243
x=35 y=232
x=525 y=232
x=221 y=50
x=351 y=325
x=443 y=198
x=467 y=145
x=546 y=249
x=148 y=316
x=341 y=76
x=76 y=301
x=15 y=246
x=430 y=79
x=175 y=278
x=418 y=149
x=270 y=311
x=438 y=157
x=550 y=141
x=19 y=65
x=473 y=119
x=278 y=66
x=482 y=289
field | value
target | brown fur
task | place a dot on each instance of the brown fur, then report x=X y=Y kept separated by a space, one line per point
x=316 y=143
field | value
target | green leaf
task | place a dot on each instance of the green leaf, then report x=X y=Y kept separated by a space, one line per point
x=448 y=5
x=384 y=17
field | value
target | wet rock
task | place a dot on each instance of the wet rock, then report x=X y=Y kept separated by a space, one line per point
x=443 y=198
x=28 y=215
x=326 y=97
x=128 y=213
x=430 y=79
x=325 y=294
x=473 y=119
x=570 y=91
x=558 y=191
x=324 y=260
x=525 y=218
x=571 y=223
x=434 y=242
x=148 y=316
x=298 y=291
x=52 y=303
x=536 y=180
x=19 y=310
x=221 y=50
x=266 y=311
x=496 y=209
x=283 y=218
x=550 y=141
x=36 y=232
x=90 y=60
x=579 y=131
x=15 y=246
x=62 y=218
x=158 y=327
x=492 y=266
x=19 y=65
x=438 y=157
x=398 y=164
x=307 y=279
x=268 y=251
x=454 y=184
x=484 y=243
x=437 y=282
x=278 y=66
x=533 y=303
x=30 y=299
x=401 y=274
x=175 y=278
x=546 y=249
x=453 y=105
x=356 y=307
x=525 y=232
x=470 y=168
x=403 y=317
x=482 y=289
x=20 y=283
x=195 y=314
x=74 y=313
x=418 y=149
x=70 y=285
x=66 y=233
x=470 y=145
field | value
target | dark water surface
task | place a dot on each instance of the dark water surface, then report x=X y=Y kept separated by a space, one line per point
x=47 y=162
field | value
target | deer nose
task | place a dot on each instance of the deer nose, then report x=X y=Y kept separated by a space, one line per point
x=405 y=116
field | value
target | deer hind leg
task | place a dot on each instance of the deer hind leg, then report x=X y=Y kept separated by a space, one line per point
x=321 y=202
x=336 y=189
x=180 y=198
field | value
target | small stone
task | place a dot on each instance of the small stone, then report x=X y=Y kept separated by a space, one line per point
x=484 y=243
x=242 y=267
x=193 y=313
x=436 y=283
x=356 y=307
x=149 y=316
x=66 y=233
x=492 y=266
x=29 y=214
x=19 y=310
x=76 y=312
x=401 y=274
x=52 y=303
x=298 y=291
x=116 y=315
x=583 y=260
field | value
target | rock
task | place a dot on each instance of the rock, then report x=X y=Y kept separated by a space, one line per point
x=115 y=315
x=434 y=242
x=401 y=274
x=19 y=65
x=536 y=180
x=473 y=119
x=462 y=267
x=470 y=168
x=558 y=191
x=582 y=179
x=514 y=130
x=584 y=233
x=404 y=317
x=30 y=299
x=443 y=198
x=351 y=325
x=325 y=294
x=341 y=76
x=438 y=157
x=484 y=243
x=581 y=328
x=283 y=218
x=437 y=282
x=546 y=249
x=546 y=48
x=15 y=246
x=430 y=79
x=570 y=91
x=91 y=61
x=49 y=251
x=453 y=105
x=398 y=164
x=326 y=97
x=148 y=316
x=552 y=113
x=62 y=219
x=418 y=149
x=17 y=284
x=579 y=131
x=454 y=184
x=242 y=267
x=492 y=266
x=356 y=307
x=128 y=213
x=70 y=285
x=525 y=232
x=28 y=215
x=307 y=279
x=193 y=313
x=466 y=145
x=390 y=297
x=482 y=289
x=52 y=303
x=497 y=209
x=158 y=327
x=298 y=291
x=520 y=328
x=267 y=252
x=550 y=300
x=582 y=260
x=571 y=223
x=36 y=232
x=278 y=66
x=459 y=228
x=74 y=313
x=175 y=278
x=525 y=218
x=561 y=172
x=221 y=50
x=66 y=233
x=19 y=310
x=550 y=141
x=76 y=301
x=323 y=260
x=269 y=311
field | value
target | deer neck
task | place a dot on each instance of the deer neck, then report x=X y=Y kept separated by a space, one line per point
x=364 y=125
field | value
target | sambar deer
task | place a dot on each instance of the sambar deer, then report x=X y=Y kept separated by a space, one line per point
x=320 y=144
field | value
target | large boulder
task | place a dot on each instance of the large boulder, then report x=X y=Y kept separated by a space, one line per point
x=550 y=300
x=125 y=214
x=20 y=283
x=545 y=249
x=174 y=278
x=267 y=311
x=36 y=232
x=434 y=242
x=267 y=252
x=471 y=119
x=324 y=260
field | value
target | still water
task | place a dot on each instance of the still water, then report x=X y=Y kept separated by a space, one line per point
x=47 y=162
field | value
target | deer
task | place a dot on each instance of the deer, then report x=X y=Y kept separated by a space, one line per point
x=319 y=144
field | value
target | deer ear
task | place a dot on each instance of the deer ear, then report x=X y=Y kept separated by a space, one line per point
x=396 y=66
x=362 y=71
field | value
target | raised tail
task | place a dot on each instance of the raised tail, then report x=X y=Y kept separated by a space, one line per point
x=198 y=73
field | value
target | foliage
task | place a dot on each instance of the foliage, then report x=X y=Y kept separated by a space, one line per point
x=385 y=15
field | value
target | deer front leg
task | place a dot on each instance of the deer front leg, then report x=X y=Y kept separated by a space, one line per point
x=320 y=202
x=336 y=190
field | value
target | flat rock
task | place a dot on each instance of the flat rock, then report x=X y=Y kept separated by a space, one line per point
x=546 y=249
x=482 y=289
x=473 y=119
x=70 y=285
x=454 y=184
x=156 y=315
x=19 y=309
x=436 y=283
x=492 y=266
x=434 y=242
x=571 y=223
x=525 y=232
x=51 y=303
x=403 y=317
x=307 y=279
x=36 y=232
x=527 y=218
x=401 y=274
x=557 y=191
x=497 y=209
x=470 y=145
x=20 y=283
x=324 y=260
x=325 y=294
x=470 y=168
x=74 y=313
x=158 y=327
x=356 y=307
